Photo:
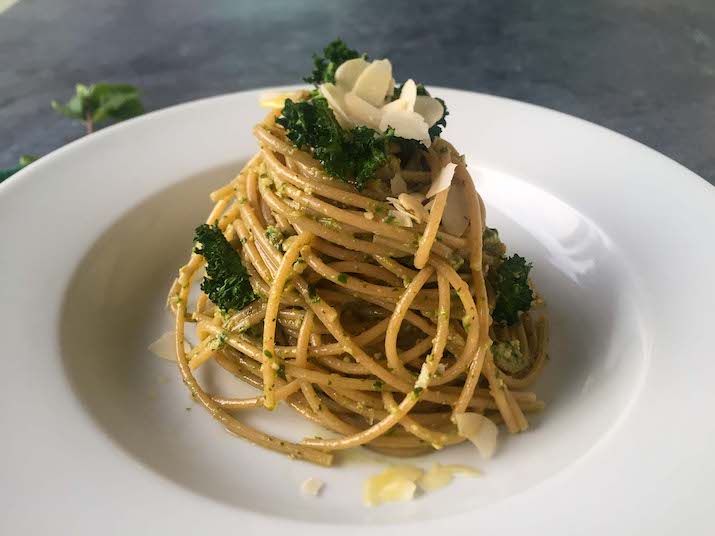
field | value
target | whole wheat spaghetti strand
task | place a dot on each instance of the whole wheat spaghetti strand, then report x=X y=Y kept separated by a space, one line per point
x=393 y=359
x=438 y=440
x=281 y=393
x=426 y=373
x=272 y=364
x=232 y=425
x=538 y=362
x=427 y=241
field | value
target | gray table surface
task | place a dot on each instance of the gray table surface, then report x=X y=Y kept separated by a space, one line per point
x=645 y=68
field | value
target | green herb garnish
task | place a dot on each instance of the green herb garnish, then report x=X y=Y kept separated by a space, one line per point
x=456 y=261
x=509 y=357
x=436 y=129
x=313 y=295
x=353 y=156
x=25 y=160
x=274 y=235
x=227 y=282
x=492 y=244
x=220 y=341
x=335 y=54
x=342 y=278
x=513 y=293
x=281 y=372
x=331 y=223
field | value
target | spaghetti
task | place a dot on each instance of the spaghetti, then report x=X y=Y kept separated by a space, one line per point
x=369 y=327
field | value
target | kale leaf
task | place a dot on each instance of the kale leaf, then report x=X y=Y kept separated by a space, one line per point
x=325 y=66
x=492 y=244
x=352 y=156
x=227 y=282
x=513 y=293
x=436 y=129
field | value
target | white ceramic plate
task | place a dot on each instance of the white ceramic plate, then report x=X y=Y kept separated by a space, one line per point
x=96 y=434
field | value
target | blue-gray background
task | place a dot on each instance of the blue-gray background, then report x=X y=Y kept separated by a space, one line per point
x=645 y=68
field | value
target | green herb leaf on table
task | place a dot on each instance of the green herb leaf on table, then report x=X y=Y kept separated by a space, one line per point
x=227 y=281
x=101 y=102
x=9 y=172
x=325 y=66
x=92 y=105
x=27 y=159
x=24 y=161
x=510 y=281
x=352 y=156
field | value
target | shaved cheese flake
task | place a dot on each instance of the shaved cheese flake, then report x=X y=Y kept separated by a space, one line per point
x=479 y=430
x=394 y=484
x=275 y=100
x=409 y=125
x=455 y=218
x=311 y=487
x=335 y=97
x=348 y=72
x=362 y=112
x=429 y=108
x=441 y=475
x=165 y=346
x=402 y=219
x=435 y=478
x=416 y=216
x=413 y=204
x=391 y=88
x=398 y=184
x=400 y=208
x=373 y=82
x=406 y=101
x=394 y=106
x=443 y=180
x=410 y=472
x=358 y=99
x=409 y=94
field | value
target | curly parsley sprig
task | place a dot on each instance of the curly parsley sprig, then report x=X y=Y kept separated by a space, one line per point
x=227 y=281
x=510 y=281
x=352 y=156
x=324 y=67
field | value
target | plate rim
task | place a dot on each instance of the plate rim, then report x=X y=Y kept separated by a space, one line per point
x=24 y=179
